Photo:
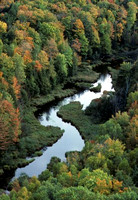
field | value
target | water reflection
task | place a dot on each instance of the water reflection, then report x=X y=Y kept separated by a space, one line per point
x=71 y=139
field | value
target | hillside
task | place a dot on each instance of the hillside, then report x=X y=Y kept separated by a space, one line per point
x=49 y=50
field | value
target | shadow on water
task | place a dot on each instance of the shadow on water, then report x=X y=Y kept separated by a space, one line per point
x=6 y=178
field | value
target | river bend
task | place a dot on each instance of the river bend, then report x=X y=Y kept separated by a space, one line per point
x=71 y=139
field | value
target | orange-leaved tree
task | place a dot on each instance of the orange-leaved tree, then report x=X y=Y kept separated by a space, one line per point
x=9 y=124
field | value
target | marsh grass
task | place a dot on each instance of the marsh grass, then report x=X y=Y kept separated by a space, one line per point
x=97 y=88
x=73 y=113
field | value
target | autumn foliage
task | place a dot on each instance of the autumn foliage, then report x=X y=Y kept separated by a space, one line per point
x=45 y=44
x=16 y=87
x=9 y=124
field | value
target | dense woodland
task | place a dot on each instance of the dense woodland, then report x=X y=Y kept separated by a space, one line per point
x=43 y=46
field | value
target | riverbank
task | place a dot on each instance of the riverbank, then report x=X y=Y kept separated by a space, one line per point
x=74 y=114
x=71 y=139
x=35 y=136
x=39 y=132
x=85 y=76
x=46 y=136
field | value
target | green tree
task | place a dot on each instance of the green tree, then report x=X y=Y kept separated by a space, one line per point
x=84 y=44
x=75 y=193
x=113 y=129
x=7 y=67
x=24 y=194
x=4 y=197
x=67 y=51
x=104 y=29
x=61 y=67
x=3 y=27
x=49 y=30
x=1 y=47
x=19 y=68
x=96 y=161
x=113 y=151
x=131 y=18
x=132 y=97
x=45 y=175
x=34 y=184
x=97 y=181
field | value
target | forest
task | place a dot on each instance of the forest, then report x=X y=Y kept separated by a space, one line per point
x=49 y=50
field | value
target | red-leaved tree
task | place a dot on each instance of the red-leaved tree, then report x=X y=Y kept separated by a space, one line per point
x=9 y=124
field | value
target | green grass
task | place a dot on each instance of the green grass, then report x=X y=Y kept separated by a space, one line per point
x=56 y=94
x=35 y=136
x=85 y=74
x=38 y=153
x=97 y=88
x=73 y=113
x=83 y=85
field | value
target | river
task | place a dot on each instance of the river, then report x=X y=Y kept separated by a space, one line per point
x=71 y=139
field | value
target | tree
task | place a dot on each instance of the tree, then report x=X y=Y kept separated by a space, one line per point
x=131 y=18
x=95 y=37
x=7 y=67
x=50 y=30
x=133 y=132
x=45 y=175
x=52 y=166
x=51 y=48
x=78 y=27
x=67 y=22
x=99 y=181
x=27 y=57
x=9 y=123
x=23 y=194
x=122 y=80
x=24 y=13
x=113 y=150
x=4 y=197
x=61 y=67
x=67 y=51
x=119 y=30
x=34 y=184
x=5 y=3
x=65 y=179
x=96 y=161
x=76 y=45
x=43 y=59
x=1 y=47
x=3 y=27
x=91 y=29
x=84 y=44
x=76 y=193
x=79 y=35
x=16 y=87
x=104 y=29
x=106 y=43
x=35 y=35
x=19 y=68
x=113 y=129
x=132 y=97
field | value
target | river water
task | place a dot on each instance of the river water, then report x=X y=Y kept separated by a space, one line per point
x=71 y=139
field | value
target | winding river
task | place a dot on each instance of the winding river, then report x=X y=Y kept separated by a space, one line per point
x=71 y=139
